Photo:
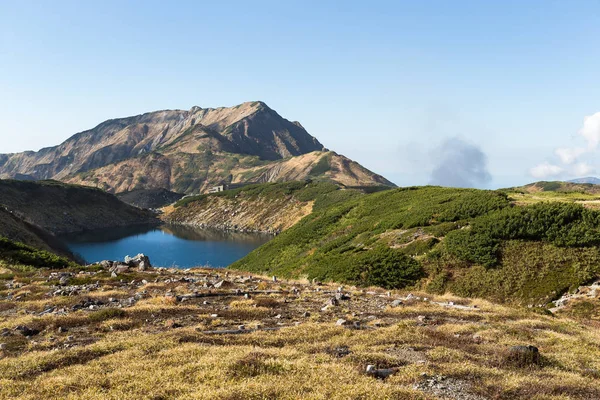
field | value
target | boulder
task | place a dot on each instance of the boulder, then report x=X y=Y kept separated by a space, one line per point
x=141 y=262
x=106 y=264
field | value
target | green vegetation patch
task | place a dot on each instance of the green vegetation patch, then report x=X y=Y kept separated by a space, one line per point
x=18 y=253
x=339 y=242
x=322 y=166
x=470 y=242
x=562 y=224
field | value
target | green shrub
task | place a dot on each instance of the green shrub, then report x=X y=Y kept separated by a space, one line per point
x=388 y=268
x=19 y=253
x=322 y=166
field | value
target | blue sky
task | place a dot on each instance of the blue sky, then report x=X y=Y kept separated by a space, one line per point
x=385 y=83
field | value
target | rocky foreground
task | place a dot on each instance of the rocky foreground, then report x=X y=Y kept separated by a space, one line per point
x=127 y=330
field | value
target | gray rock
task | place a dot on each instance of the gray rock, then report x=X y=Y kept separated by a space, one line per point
x=341 y=296
x=141 y=262
x=121 y=268
x=341 y=322
x=64 y=280
x=379 y=373
x=397 y=303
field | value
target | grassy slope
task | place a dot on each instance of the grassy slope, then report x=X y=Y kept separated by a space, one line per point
x=471 y=242
x=134 y=351
x=581 y=193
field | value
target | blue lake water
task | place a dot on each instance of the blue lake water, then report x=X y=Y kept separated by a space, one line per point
x=166 y=245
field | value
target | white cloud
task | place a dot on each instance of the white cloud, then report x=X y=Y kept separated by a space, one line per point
x=545 y=170
x=591 y=130
x=582 y=169
x=569 y=155
x=572 y=158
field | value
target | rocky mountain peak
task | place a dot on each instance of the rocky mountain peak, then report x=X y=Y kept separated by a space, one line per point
x=178 y=150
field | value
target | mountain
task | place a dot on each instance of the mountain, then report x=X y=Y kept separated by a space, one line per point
x=556 y=187
x=188 y=152
x=61 y=208
x=590 y=179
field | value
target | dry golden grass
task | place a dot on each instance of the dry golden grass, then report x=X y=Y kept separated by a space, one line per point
x=157 y=348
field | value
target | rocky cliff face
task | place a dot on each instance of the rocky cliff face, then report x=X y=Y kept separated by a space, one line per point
x=187 y=152
x=241 y=214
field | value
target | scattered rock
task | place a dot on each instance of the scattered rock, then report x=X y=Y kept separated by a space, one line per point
x=379 y=373
x=342 y=322
x=222 y=284
x=106 y=264
x=397 y=303
x=26 y=331
x=446 y=388
x=333 y=302
x=64 y=280
x=341 y=296
x=341 y=351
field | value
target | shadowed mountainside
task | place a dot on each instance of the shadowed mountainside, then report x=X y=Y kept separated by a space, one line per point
x=61 y=208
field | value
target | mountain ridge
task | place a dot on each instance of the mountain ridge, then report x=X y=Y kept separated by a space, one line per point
x=588 y=179
x=185 y=151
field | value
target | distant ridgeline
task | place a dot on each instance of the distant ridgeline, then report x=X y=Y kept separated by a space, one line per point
x=471 y=242
x=189 y=151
